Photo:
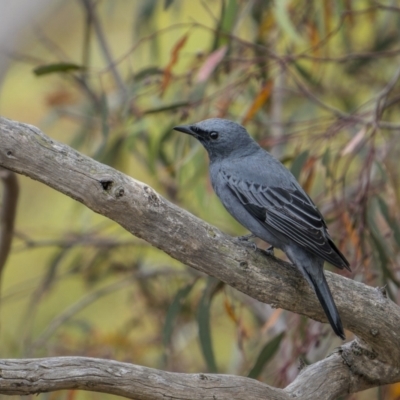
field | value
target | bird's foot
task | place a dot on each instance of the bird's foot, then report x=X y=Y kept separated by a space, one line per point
x=246 y=238
x=269 y=250
x=246 y=241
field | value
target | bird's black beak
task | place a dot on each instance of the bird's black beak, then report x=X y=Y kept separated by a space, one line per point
x=185 y=129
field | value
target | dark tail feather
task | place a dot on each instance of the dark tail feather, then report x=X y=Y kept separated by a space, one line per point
x=325 y=298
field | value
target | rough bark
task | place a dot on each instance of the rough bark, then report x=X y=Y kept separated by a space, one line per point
x=369 y=361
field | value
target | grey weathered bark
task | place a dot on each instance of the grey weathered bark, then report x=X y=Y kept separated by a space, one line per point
x=369 y=361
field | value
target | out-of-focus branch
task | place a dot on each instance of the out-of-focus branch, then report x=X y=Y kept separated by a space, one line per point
x=381 y=101
x=74 y=240
x=356 y=118
x=90 y=298
x=90 y=9
x=277 y=98
x=369 y=361
x=7 y=214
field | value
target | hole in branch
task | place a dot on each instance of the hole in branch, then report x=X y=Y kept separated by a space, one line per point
x=107 y=184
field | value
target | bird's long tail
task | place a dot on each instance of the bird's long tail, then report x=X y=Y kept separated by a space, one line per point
x=324 y=295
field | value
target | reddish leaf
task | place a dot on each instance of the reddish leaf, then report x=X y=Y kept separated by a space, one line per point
x=309 y=168
x=315 y=39
x=174 y=59
x=352 y=234
x=394 y=392
x=210 y=64
x=237 y=321
x=271 y=320
x=230 y=310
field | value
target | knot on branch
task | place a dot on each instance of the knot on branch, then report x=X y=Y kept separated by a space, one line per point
x=382 y=291
x=152 y=196
x=106 y=184
x=364 y=363
x=10 y=154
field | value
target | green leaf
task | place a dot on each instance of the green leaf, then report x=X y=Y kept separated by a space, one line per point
x=53 y=268
x=225 y=24
x=374 y=229
x=229 y=16
x=164 y=156
x=283 y=19
x=379 y=244
x=146 y=11
x=298 y=164
x=112 y=154
x=105 y=129
x=167 y=3
x=265 y=355
x=326 y=158
x=382 y=171
x=174 y=310
x=309 y=77
x=167 y=107
x=149 y=71
x=383 y=264
x=57 y=68
x=203 y=319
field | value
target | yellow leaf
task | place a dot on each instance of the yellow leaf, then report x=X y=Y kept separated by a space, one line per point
x=394 y=392
x=237 y=321
x=230 y=311
x=258 y=102
x=271 y=320
x=268 y=22
x=315 y=39
x=310 y=168
x=352 y=234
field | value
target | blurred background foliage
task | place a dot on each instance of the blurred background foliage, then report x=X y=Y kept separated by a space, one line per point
x=314 y=82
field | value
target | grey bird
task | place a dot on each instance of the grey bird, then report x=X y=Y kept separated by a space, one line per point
x=264 y=196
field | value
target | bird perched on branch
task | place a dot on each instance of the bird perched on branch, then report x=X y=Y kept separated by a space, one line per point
x=260 y=193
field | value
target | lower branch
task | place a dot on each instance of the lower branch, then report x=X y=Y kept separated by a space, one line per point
x=32 y=376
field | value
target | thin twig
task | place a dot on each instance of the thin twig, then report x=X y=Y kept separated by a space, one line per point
x=90 y=9
x=382 y=96
x=86 y=241
x=90 y=298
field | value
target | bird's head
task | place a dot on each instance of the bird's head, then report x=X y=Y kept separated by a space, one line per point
x=220 y=137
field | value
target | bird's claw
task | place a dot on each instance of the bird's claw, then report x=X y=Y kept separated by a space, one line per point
x=246 y=241
x=246 y=238
x=269 y=250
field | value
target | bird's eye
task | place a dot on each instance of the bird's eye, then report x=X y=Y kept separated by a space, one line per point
x=214 y=135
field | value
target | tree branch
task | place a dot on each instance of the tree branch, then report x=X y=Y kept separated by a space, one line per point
x=29 y=376
x=370 y=361
x=90 y=9
x=7 y=214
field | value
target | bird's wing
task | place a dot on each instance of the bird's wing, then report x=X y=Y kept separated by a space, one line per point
x=290 y=212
